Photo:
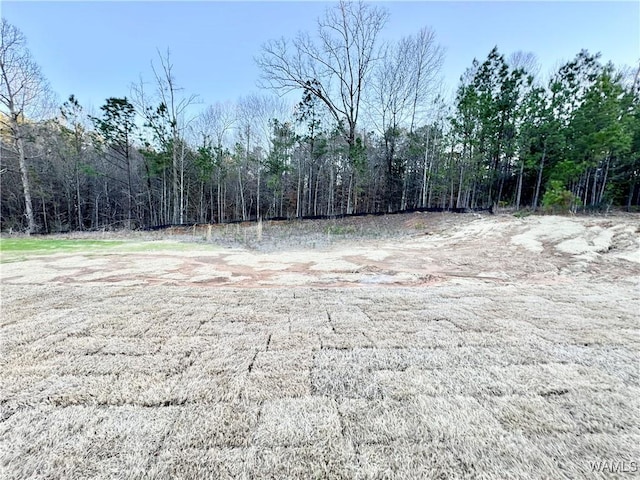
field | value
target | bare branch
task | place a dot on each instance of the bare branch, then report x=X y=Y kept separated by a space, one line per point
x=335 y=66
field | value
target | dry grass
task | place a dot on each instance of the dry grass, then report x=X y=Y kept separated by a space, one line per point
x=377 y=399
x=462 y=379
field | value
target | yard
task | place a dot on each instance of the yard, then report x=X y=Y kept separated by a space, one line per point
x=404 y=346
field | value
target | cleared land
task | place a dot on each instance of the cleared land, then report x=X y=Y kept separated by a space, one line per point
x=413 y=346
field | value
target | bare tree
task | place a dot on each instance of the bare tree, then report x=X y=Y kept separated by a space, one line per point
x=215 y=122
x=527 y=61
x=211 y=129
x=255 y=114
x=334 y=67
x=257 y=111
x=403 y=84
x=168 y=122
x=24 y=98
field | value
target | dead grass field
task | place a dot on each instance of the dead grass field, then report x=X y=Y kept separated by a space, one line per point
x=398 y=347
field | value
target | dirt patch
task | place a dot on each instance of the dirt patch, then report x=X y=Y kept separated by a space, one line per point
x=501 y=248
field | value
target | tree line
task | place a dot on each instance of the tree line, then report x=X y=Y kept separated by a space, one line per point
x=371 y=132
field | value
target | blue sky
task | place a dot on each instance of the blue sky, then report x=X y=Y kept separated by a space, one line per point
x=97 y=49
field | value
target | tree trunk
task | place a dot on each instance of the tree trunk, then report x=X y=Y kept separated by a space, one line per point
x=212 y=217
x=315 y=196
x=594 y=187
x=165 y=198
x=242 y=203
x=460 y=180
x=129 y=187
x=585 y=192
x=604 y=180
x=79 y=199
x=424 y=171
x=309 y=191
x=70 y=211
x=330 y=193
x=26 y=186
x=224 y=202
x=403 y=198
x=258 y=196
x=452 y=178
x=44 y=217
x=539 y=180
x=632 y=189
x=182 y=154
x=349 y=193
x=299 y=193
x=503 y=174
x=281 y=198
x=202 y=214
x=220 y=215
x=152 y=218
x=519 y=192
x=175 y=180
x=97 y=212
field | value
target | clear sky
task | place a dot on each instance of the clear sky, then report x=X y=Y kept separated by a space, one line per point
x=97 y=49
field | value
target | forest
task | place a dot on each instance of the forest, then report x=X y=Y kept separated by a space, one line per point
x=369 y=131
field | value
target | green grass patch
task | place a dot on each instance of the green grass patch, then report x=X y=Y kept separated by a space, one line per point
x=51 y=245
x=18 y=249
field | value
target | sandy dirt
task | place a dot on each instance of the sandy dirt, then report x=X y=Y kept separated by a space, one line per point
x=428 y=249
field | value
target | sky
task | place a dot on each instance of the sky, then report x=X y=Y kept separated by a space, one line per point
x=96 y=49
